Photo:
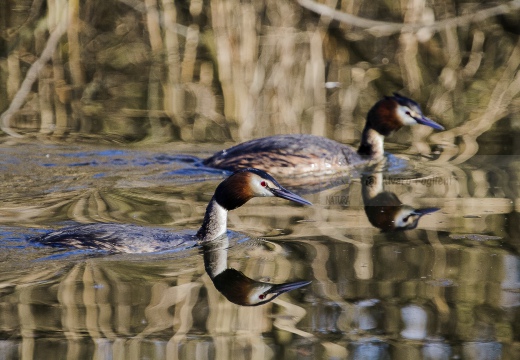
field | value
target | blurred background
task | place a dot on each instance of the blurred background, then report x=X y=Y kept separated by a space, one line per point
x=108 y=106
x=216 y=71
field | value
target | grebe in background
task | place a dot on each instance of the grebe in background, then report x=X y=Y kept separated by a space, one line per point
x=300 y=155
x=230 y=194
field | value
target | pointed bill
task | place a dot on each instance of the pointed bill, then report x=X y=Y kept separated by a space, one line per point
x=425 y=211
x=423 y=120
x=288 y=195
x=281 y=288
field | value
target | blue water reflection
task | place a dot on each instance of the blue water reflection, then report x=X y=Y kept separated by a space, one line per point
x=447 y=289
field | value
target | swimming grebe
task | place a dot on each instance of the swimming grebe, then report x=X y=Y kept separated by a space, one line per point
x=230 y=194
x=384 y=209
x=233 y=284
x=300 y=155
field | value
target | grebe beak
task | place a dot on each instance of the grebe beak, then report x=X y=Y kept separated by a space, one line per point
x=282 y=288
x=423 y=120
x=425 y=211
x=288 y=195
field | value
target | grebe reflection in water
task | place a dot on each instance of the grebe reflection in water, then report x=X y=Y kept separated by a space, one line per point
x=384 y=209
x=233 y=284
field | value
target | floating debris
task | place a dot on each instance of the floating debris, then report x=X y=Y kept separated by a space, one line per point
x=441 y=282
x=475 y=237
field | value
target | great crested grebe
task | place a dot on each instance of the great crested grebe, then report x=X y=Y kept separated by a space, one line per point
x=230 y=194
x=300 y=155
x=233 y=284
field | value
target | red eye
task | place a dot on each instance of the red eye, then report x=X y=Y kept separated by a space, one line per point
x=263 y=184
x=261 y=296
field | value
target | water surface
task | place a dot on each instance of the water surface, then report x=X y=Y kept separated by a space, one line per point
x=448 y=289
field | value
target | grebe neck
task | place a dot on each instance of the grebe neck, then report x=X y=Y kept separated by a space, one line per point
x=215 y=256
x=372 y=183
x=372 y=143
x=215 y=222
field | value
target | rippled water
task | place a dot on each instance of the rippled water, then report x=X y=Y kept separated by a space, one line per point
x=133 y=75
x=448 y=289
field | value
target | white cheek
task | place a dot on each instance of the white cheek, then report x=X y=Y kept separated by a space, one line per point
x=399 y=222
x=259 y=190
x=405 y=118
x=254 y=297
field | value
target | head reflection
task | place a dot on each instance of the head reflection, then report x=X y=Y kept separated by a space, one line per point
x=233 y=284
x=384 y=209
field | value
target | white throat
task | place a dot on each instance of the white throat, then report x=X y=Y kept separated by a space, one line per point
x=215 y=256
x=372 y=185
x=215 y=222
x=376 y=142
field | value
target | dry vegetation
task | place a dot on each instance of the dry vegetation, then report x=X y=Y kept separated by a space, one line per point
x=229 y=70
x=220 y=70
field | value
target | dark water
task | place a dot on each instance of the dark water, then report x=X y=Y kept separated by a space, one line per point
x=449 y=289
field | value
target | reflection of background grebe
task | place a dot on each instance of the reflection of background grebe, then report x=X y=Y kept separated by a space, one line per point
x=384 y=209
x=286 y=155
x=233 y=284
x=232 y=193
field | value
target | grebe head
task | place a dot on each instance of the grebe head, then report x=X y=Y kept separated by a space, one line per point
x=234 y=192
x=407 y=218
x=396 y=217
x=242 y=290
x=386 y=212
x=394 y=112
x=246 y=184
x=410 y=113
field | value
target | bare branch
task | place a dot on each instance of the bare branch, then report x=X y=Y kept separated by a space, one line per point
x=136 y=5
x=32 y=75
x=383 y=28
x=505 y=90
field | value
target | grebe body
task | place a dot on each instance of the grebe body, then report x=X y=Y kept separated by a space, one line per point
x=286 y=155
x=230 y=194
x=301 y=155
